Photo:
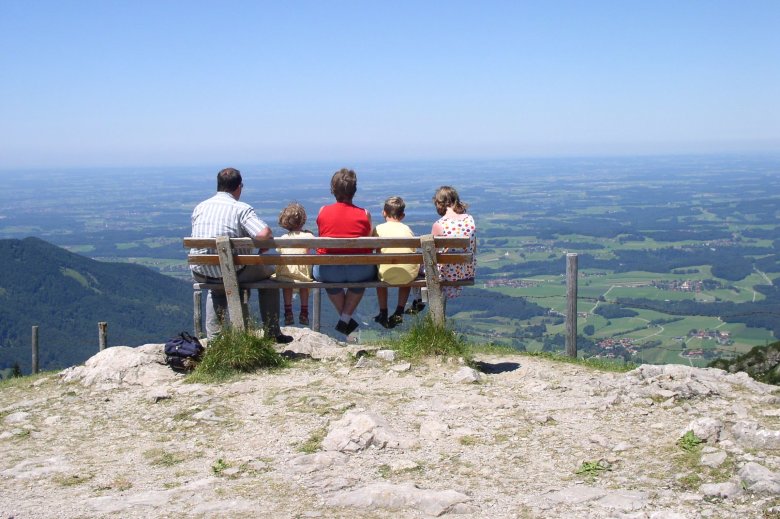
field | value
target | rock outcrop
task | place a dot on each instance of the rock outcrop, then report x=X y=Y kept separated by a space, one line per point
x=345 y=432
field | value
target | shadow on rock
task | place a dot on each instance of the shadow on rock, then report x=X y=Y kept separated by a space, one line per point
x=498 y=367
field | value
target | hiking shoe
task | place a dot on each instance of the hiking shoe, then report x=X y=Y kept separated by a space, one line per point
x=341 y=327
x=303 y=319
x=289 y=320
x=416 y=307
x=352 y=326
x=395 y=320
x=382 y=320
x=284 y=339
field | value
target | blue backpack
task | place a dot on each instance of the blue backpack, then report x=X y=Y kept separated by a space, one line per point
x=183 y=352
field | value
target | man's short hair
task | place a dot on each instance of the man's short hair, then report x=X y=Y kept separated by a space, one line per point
x=395 y=207
x=228 y=180
x=343 y=185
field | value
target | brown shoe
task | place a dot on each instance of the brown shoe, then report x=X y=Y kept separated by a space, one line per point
x=303 y=319
x=289 y=320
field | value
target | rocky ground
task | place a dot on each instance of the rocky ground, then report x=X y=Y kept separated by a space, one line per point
x=336 y=436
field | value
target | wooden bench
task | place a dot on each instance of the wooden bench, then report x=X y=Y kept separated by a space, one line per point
x=427 y=254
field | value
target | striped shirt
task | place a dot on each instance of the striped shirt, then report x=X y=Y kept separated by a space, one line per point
x=223 y=215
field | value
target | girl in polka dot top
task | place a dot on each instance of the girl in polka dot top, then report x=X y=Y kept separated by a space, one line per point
x=455 y=222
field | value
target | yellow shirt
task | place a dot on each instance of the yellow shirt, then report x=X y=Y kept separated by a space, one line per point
x=294 y=272
x=396 y=274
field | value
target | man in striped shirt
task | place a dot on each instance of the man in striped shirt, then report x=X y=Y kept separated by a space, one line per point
x=224 y=215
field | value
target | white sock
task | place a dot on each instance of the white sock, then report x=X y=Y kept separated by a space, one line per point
x=346 y=317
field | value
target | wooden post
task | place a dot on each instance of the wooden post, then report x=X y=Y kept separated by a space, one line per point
x=102 y=335
x=316 y=307
x=571 y=305
x=229 y=280
x=34 y=349
x=435 y=296
x=197 y=318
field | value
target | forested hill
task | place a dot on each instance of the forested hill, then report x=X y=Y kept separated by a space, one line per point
x=66 y=295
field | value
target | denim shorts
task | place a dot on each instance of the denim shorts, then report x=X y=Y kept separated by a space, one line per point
x=344 y=274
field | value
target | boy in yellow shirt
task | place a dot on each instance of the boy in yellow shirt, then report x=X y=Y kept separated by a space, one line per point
x=394 y=274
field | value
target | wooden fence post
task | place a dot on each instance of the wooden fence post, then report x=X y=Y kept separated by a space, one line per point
x=102 y=335
x=435 y=296
x=35 y=349
x=571 y=305
x=316 y=307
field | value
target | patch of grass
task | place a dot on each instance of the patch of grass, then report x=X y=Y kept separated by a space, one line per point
x=427 y=339
x=24 y=380
x=314 y=442
x=494 y=349
x=162 y=458
x=69 y=480
x=467 y=440
x=690 y=481
x=599 y=364
x=219 y=467
x=591 y=469
x=689 y=442
x=385 y=471
x=234 y=352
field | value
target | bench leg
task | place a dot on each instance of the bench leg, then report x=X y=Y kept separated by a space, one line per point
x=315 y=311
x=197 y=317
x=435 y=295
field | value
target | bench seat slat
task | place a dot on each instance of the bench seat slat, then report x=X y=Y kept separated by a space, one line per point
x=328 y=259
x=271 y=283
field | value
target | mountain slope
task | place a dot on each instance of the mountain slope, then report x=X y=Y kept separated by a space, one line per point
x=66 y=295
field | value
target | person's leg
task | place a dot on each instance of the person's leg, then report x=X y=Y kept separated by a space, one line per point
x=403 y=296
x=398 y=316
x=287 y=294
x=303 y=317
x=269 y=300
x=216 y=308
x=337 y=297
x=269 y=311
x=381 y=297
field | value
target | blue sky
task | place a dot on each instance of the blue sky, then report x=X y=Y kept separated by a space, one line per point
x=94 y=83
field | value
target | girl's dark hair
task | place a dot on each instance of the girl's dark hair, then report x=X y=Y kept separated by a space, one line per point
x=343 y=185
x=292 y=217
x=445 y=197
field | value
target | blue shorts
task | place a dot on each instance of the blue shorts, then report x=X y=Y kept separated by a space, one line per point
x=344 y=274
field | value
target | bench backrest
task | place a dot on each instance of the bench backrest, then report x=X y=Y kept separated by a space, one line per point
x=422 y=243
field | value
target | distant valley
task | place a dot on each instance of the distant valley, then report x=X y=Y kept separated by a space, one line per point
x=678 y=256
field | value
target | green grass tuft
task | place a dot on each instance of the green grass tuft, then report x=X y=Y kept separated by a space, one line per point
x=234 y=352
x=426 y=339
x=596 y=363
x=689 y=442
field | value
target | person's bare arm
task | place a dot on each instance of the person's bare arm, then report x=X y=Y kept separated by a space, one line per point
x=265 y=234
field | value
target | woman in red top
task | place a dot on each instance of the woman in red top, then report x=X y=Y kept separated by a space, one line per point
x=344 y=220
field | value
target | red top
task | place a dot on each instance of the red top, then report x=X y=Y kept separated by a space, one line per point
x=343 y=220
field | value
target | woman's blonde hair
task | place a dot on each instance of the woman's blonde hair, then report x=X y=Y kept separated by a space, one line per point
x=293 y=217
x=445 y=197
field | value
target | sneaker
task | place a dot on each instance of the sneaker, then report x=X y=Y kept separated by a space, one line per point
x=382 y=319
x=416 y=307
x=289 y=320
x=303 y=319
x=341 y=327
x=395 y=320
x=352 y=326
x=283 y=339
